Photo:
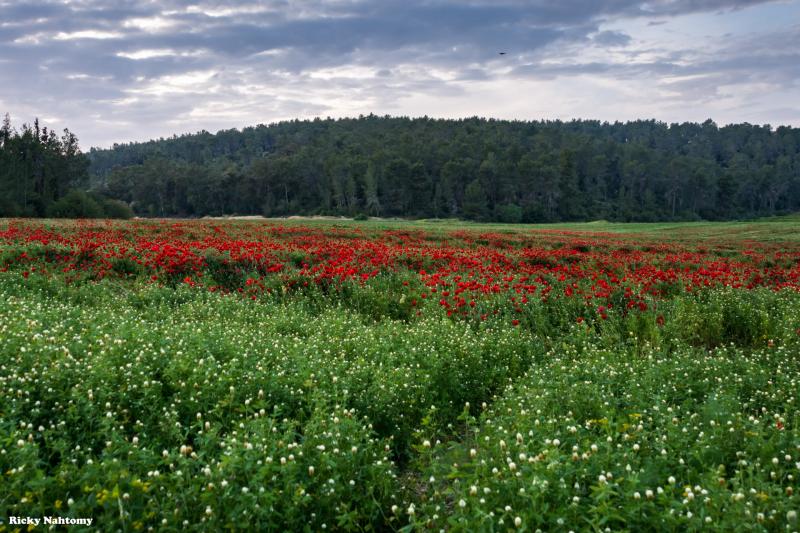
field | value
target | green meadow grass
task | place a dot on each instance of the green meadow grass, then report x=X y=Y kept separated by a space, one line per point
x=162 y=408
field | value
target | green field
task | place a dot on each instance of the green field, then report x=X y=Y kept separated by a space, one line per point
x=290 y=375
x=779 y=229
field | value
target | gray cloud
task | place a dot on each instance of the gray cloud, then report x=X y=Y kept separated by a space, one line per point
x=611 y=38
x=111 y=68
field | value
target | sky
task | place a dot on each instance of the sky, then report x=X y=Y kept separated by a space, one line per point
x=116 y=71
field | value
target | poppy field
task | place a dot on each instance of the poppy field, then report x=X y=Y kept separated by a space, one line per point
x=172 y=375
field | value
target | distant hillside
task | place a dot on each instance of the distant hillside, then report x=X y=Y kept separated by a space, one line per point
x=477 y=169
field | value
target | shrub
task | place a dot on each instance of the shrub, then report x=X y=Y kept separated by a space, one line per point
x=116 y=209
x=75 y=204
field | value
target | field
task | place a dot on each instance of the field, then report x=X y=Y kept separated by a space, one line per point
x=308 y=375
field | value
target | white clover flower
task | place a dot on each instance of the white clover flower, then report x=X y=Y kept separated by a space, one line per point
x=462 y=503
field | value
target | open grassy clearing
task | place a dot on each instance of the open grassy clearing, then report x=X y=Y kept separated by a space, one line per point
x=205 y=375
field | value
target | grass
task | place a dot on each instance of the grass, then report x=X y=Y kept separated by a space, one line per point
x=772 y=229
x=173 y=405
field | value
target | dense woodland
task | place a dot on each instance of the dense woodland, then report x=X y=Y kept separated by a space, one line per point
x=380 y=166
x=37 y=168
x=475 y=169
x=42 y=174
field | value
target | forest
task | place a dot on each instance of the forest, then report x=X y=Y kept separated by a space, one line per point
x=42 y=174
x=478 y=169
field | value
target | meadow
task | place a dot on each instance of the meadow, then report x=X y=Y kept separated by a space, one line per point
x=205 y=375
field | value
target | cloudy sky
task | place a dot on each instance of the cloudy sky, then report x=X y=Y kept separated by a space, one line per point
x=122 y=70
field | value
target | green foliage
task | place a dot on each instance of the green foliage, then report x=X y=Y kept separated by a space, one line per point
x=336 y=406
x=509 y=213
x=116 y=209
x=490 y=170
x=179 y=405
x=475 y=201
x=749 y=318
x=75 y=204
x=37 y=168
x=596 y=437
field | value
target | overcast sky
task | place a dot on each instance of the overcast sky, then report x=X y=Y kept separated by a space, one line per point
x=120 y=70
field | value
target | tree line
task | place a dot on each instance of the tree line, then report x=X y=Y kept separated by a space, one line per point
x=492 y=170
x=476 y=169
x=44 y=174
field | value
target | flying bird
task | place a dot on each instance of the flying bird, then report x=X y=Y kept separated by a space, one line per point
x=502 y=53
